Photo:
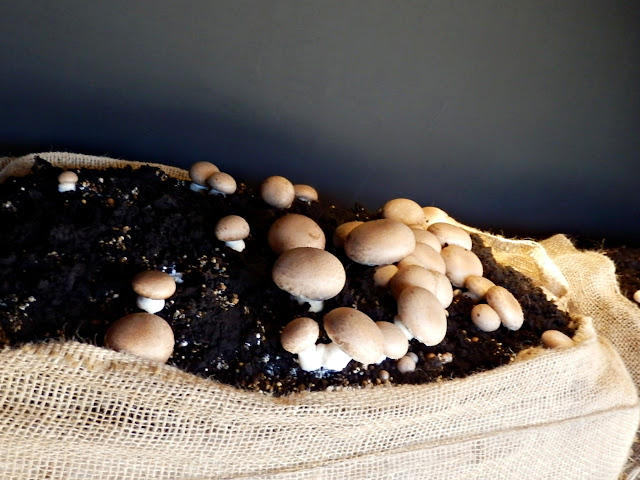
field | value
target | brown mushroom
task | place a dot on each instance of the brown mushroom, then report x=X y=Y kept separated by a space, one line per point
x=67 y=181
x=142 y=334
x=232 y=230
x=153 y=288
x=299 y=337
x=379 y=242
x=460 y=264
x=199 y=172
x=278 y=192
x=422 y=316
x=395 y=344
x=507 y=306
x=306 y=193
x=404 y=210
x=221 y=183
x=294 y=230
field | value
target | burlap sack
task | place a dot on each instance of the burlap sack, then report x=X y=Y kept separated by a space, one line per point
x=75 y=411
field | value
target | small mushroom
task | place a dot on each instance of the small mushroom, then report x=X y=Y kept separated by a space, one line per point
x=485 y=317
x=278 y=192
x=477 y=287
x=341 y=232
x=636 y=296
x=430 y=258
x=309 y=274
x=379 y=242
x=449 y=234
x=294 y=230
x=306 y=193
x=232 y=230
x=67 y=181
x=354 y=336
x=221 y=183
x=460 y=264
x=556 y=339
x=422 y=315
x=383 y=274
x=142 y=334
x=299 y=337
x=406 y=364
x=426 y=237
x=153 y=288
x=199 y=172
x=395 y=344
x=417 y=276
x=507 y=306
x=404 y=210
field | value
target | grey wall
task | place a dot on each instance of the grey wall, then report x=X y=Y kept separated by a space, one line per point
x=518 y=116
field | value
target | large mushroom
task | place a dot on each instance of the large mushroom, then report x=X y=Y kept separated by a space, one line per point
x=309 y=274
x=421 y=316
x=199 y=172
x=153 y=288
x=278 y=192
x=294 y=230
x=142 y=334
x=379 y=242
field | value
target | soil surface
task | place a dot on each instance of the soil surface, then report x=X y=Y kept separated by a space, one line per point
x=67 y=260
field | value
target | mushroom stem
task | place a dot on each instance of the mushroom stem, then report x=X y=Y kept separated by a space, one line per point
x=334 y=358
x=310 y=359
x=149 y=305
x=213 y=191
x=197 y=188
x=315 y=306
x=404 y=329
x=66 y=187
x=237 y=245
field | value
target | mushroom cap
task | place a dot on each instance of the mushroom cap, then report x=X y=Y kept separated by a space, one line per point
x=556 y=339
x=383 y=274
x=278 y=192
x=422 y=314
x=294 y=230
x=449 y=234
x=417 y=276
x=68 y=177
x=429 y=257
x=355 y=333
x=306 y=193
x=379 y=242
x=299 y=334
x=404 y=210
x=460 y=264
x=310 y=273
x=232 y=228
x=341 y=232
x=395 y=344
x=200 y=171
x=485 y=317
x=477 y=286
x=426 y=237
x=507 y=306
x=154 y=284
x=142 y=334
x=434 y=215
x=222 y=182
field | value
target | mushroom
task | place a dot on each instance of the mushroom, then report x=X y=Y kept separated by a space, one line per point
x=379 y=242
x=636 y=296
x=153 y=287
x=556 y=339
x=306 y=193
x=485 y=317
x=404 y=210
x=353 y=336
x=430 y=258
x=341 y=232
x=278 y=192
x=417 y=276
x=477 y=287
x=434 y=215
x=309 y=274
x=383 y=274
x=142 y=334
x=294 y=230
x=421 y=316
x=199 y=172
x=507 y=306
x=299 y=337
x=426 y=237
x=406 y=364
x=221 y=183
x=449 y=234
x=67 y=181
x=232 y=230
x=395 y=343
x=460 y=264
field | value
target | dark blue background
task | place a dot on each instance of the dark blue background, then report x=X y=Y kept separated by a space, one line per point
x=514 y=116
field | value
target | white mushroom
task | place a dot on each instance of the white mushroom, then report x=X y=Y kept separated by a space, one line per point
x=153 y=288
x=429 y=258
x=199 y=172
x=507 y=306
x=67 y=181
x=404 y=210
x=221 y=183
x=379 y=242
x=278 y=192
x=460 y=264
x=477 y=287
x=395 y=341
x=556 y=339
x=485 y=317
x=299 y=337
x=306 y=193
x=449 y=234
x=232 y=230
x=142 y=334
x=422 y=316
x=341 y=232
x=294 y=230
x=354 y=336
x=309 y=274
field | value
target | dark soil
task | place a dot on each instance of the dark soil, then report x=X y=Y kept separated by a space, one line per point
x=66 y=261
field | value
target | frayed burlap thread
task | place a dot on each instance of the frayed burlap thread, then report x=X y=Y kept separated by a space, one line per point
x=75 y=411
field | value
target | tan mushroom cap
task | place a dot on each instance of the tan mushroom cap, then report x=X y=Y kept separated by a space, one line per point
x=68 y=177
x=306 y=193
x=232 y=228
x=429 y=257
x=449 y=234
x=299 y=334
x=422 y=314
x=485 y=317
x=310 y=273
x=278 y=192
x=477 y=286
x=395 y=344
x=200 y=171
x=341 y=232
x=379 y=242
x=383 y=274
x=556 y=339
x=294 y=230
x=507 y=306
x=355 y=333
x=142 y=334
x=434 y=215
x=460 y=264
x=154 y=284
x=426 y=237
x=417 y=276
x=222 y=182
x=404 y=210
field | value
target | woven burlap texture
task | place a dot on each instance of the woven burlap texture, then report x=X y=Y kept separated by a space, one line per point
x=75 y=411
